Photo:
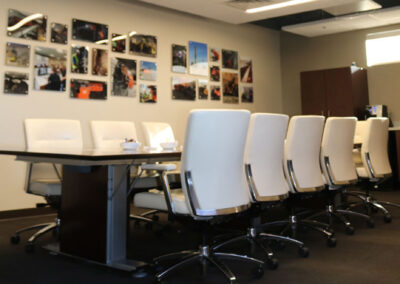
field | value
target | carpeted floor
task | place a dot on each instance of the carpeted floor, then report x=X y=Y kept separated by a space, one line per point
x=369 y=256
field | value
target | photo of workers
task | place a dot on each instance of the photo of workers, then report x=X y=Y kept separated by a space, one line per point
x=215 y=55
x=99 y=62
x=26 y=25
x=229 y=59
x=148 y=71
x=148 y=93
x=198 y=59
x=179 y=58
x=88 y=31
x=183 y=88
x=17 y=54
x=230 y=88
x=79 y=59
x=16 y=83
x=143 y=45
x=215 y=92
x=118 y=43
x=50 y=69
x=59 y=33
x=84 y=89
x=247 y=94
x=202 y=88
x=123 y=77
x=246 y=71
x=214 y=74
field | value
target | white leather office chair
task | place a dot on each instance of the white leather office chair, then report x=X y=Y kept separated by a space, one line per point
x=45 y=179
x=375 y=165
x=110 y=134
x=267 y=183
x=156 y=133
x=338 y=167
x=302 y=167
x=215 y=183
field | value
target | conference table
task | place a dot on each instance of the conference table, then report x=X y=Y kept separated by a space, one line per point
x=94 y=202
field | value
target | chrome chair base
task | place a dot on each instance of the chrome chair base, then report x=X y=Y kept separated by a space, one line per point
x=43 y=229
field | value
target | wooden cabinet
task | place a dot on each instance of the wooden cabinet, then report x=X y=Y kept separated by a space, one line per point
x=335 y=92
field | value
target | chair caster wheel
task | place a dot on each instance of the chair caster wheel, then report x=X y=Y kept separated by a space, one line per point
x=257 y=273
x=155 y=218
x=350 y=230
x=137 y=224
x=29 y=248
x=15 y=239
x=331 y=242
x=149 y=226
x=272 y=263
x=387 y=218
x=370 y=223
x=304 y=252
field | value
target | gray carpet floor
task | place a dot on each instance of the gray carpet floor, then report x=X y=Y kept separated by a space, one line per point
x=369 y=256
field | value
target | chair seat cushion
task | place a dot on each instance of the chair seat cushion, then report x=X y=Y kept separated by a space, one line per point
x=45 y=187
x=154 y=199
x=362 y=172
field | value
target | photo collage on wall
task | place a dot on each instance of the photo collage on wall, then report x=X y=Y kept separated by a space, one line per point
x=218 y=74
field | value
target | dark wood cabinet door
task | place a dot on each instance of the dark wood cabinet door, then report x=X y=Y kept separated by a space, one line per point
x=313 y=93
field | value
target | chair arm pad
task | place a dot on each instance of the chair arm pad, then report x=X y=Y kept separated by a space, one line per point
x=159 y=167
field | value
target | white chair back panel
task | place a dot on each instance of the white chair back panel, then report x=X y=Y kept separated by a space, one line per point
x=53 y=134
x=157 y=132
x=264 y=152
x=214 y=154
x=110 y=134
x=302 y=147
x=360 y=131
x=376 y=144
x=337 y=145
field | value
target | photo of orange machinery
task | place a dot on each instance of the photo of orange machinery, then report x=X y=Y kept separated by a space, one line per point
x=84 y=89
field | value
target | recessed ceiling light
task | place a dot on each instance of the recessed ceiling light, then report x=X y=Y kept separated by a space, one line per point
x=277 y=6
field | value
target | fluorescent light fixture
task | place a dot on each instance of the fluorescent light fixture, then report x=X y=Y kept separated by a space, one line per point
x=132 y=33
x=121 y=37
x=383 y=50
x=102 y=41
x=277 y=6
x=24 y=21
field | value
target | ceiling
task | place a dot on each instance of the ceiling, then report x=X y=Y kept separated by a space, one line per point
x=310 y=18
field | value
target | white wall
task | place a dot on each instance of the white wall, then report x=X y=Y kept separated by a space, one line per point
x=259 y=44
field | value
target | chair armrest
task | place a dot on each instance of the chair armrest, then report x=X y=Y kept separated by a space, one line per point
x=159 y=167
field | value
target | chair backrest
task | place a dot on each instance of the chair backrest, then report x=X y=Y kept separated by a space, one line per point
x=157 y=132
x=110 y=134
x=375 y=145
x=301 y=153
x=360 y=131
x=212 y=170
x=50 y=135
x=336 y=151
x=264 y=156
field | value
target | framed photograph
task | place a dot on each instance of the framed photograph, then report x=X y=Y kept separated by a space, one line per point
x=247 y=94
x=17 y=54
x=84 y=89
x=118 y=43
x=148 y=71
x=50 y=69
x=198 y=58
x=88 y=31
x=215 y=74
x=123 y=77
x=79 y=59
x=16 y=83
x=179 y=58
x=145 y=45
x=215 y=55
x=148 y=93
x=99 y=62
x=215 y=92
x=183 y=88
x=26 y=25
x=202 y=88
x=59 y=33
x=246 y=71
x=229 y=59
x=230 y=88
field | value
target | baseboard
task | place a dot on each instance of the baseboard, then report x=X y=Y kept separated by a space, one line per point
x=26 y=212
